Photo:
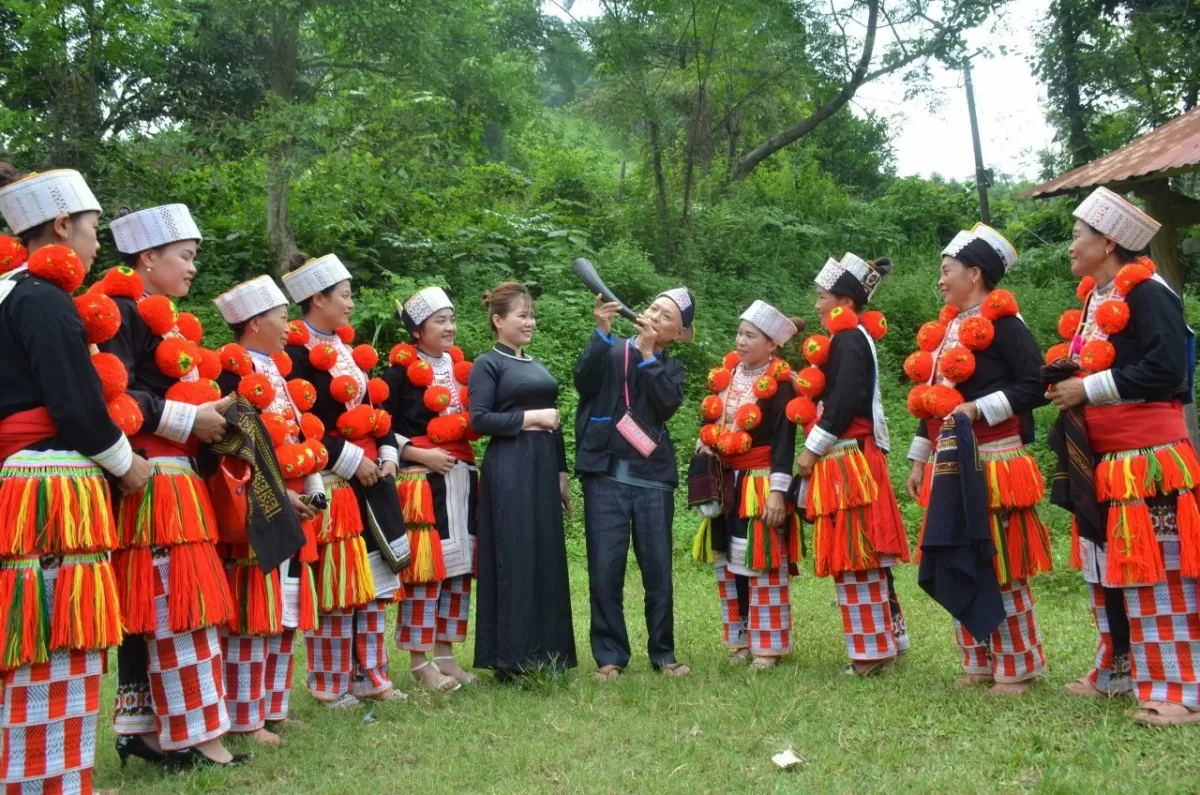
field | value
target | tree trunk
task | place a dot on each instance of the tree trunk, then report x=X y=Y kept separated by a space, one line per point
x=789 y=136
x=660 y=182
x=1077 y=139
x=285 y=34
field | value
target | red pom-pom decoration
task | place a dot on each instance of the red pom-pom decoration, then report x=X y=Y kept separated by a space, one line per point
x=121 y=282
x=998 y=304
x=976 y=333
x=58 y=265
x=159 y=313
x=464 y=397
x=283 y=363
x=125 y=413
x=100 y=315
x=277 y=427
x=12 y=253
x=734 y=443
x=235 y=359
x=383 y=424
x=957 y=364
x=456 y=354
x=345 y=334
x=939 y=400
x=365 y=357
x=437 y=399
x=1060 y=351
x=916 y=401
x=344 y=388
x=1086 y=285
x=303 y=393
x=919 y=366
x=875 y=324
x=1128 y=277
x=420 y=374
x=257 y=389
x=444 y=430
x=357 y=422
x=810 y=382
x=114 y=378
x=320 y=454
x=748 y=417
x=402 y=355
x=1112 y=317
x=297 y=333
x=816 y=350
x=208 y=364
x=311 y=426
x=718 y=379
x=711 y=408
x=462 y=372
x=947 y=313
x=801 y=410
x=765 y=387
x=709 y=434
x=1068 y=323
x=189 y=326
x=930 y=336
x=176 y=357
x=378 y=391
x=1097 y=356
x=841 y=319
x=731 y=361
x=323 y=356
x=779 y=370
x=295 y=460
x=194 y=393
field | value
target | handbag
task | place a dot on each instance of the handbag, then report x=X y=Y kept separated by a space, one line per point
x=628 y=426
x=229 y=488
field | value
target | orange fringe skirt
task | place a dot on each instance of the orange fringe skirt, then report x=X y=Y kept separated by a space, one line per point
x=344 y=578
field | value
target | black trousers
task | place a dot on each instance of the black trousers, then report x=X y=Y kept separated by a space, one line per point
x=612 y=513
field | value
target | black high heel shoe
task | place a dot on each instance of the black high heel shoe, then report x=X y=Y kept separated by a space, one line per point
x=133 y=745
x=194 y=757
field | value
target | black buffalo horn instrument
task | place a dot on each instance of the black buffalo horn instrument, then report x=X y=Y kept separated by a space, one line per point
x=586 y=271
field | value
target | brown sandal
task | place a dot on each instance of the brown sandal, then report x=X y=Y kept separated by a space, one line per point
x=740 y=657
x=970 y=680
x=1010 y=688
x=608 y=673
x=763 y=663
x=1164 y=713
x=866 y=668
x=1085 y=688
x=674 y=669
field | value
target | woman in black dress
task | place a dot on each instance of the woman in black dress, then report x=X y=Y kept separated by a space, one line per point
x=524 y=597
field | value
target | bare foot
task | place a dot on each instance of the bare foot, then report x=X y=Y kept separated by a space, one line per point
x=675 y=669
x=265 y=737
x=968 y=680
x=391 y=694
x=739 y=657
x=1009 y=688
x=608 y=673
x=286 y=723
x=216 y=751
x=764 y=663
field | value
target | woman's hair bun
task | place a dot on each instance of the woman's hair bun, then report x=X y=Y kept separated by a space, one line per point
x=123 y=211
x=883 y=265
x=8 y=173
x=297 y=260
x=798 y=322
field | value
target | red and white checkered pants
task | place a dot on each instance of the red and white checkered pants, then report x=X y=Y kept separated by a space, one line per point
x=1111 y=671
x=347 y=653
x=733 y=624
x=280 y=663
x=1014 y=651
x=866 y=614
x=434 y=612
x=258 y=679
x=48 y=724
x=1164 y=635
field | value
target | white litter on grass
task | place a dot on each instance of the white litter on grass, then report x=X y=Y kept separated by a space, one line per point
x=786 y=760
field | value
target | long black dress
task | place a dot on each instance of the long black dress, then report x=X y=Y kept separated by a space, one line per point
x=523 y=599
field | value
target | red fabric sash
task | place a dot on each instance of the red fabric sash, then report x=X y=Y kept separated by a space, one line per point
x=984 y=433
x=19 y=431
x=757 y=458
x=461 y=449
x=368 y=444
x=157 y=447
x=888 y=535
x=1132 y=426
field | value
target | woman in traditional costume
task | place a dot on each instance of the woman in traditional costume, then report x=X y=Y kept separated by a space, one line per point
x=269 y=606
x=524 y=594
x=361 y=545
x=1126 y=468
x=858 y=531
x=58 y=597
x=174 y=595
x=751 y=536
x=979 y=359
x=438 y=484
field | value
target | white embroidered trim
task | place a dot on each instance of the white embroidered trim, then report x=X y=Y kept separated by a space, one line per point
x=177 y=421
x=117 y=459
x=920 y=449
x=1101 y=389
x=781 y=481
x=995 y=407
x=389 y=453
x=347 y=464
x=818 y=441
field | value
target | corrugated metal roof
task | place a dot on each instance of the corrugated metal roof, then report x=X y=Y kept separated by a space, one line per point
x=1171 y=149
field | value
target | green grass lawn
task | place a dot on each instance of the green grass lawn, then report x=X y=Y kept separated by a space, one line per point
x=908 y=730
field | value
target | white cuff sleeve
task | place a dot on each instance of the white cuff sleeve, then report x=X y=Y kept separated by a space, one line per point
x=313 y=484
x=920 y=450
x=1101 y=388
x=389 y=453
x=117 y=459
x=780 y=481
x=348 y=461
x=995 y=408
x=402 y=441
x=177 y=421
x=818 y=441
